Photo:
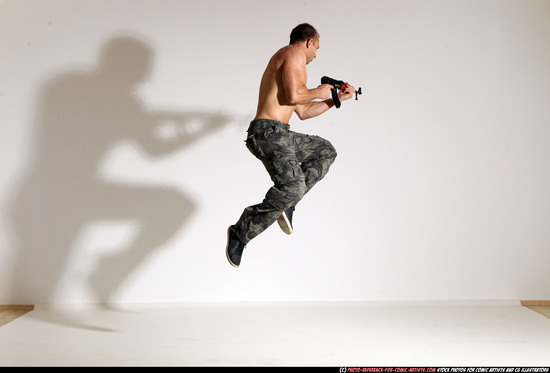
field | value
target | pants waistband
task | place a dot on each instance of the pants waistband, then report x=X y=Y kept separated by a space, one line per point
x=257 y=124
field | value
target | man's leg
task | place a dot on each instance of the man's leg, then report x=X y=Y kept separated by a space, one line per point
x=295 y=163
x=316 y=156
x=274 y=145
x=306 y=161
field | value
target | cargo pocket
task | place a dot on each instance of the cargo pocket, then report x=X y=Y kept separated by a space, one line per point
x=285 y=170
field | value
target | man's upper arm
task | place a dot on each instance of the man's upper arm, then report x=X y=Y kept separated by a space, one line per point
x=294 y=77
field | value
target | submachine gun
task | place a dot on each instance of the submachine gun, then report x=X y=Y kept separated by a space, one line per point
x=338 y=85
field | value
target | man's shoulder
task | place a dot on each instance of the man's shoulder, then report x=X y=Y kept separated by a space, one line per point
x=288 y=53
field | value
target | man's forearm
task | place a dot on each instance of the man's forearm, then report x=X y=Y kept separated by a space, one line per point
x=303 y=96
x=313 y=109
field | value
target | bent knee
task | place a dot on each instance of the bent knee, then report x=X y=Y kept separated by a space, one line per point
x=328 y=151
x=332 y=152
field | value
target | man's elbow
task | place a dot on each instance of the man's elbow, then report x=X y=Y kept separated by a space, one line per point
x=293 y=99
x=303 y=115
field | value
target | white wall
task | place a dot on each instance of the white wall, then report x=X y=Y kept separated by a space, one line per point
x=439 y=191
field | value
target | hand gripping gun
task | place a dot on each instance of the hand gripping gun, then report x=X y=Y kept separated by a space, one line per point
x=338 y=85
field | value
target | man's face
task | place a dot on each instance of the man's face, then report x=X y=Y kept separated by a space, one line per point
x=312 y=46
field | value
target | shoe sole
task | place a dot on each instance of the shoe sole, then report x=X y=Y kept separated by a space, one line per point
x=284 y=223
x=227 y=250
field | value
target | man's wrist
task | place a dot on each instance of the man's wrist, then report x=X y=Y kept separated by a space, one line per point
x=329 y=102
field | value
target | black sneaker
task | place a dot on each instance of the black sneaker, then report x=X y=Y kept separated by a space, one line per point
x=235 y=247
x=285 y=220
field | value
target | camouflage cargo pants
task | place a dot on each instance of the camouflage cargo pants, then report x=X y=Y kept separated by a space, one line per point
x=294 y=161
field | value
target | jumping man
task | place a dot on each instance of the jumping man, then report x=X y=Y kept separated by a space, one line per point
x=294 y=161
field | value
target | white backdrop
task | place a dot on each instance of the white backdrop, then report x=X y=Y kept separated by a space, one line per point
x=439 y=190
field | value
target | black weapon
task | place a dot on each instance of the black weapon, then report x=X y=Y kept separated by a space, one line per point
x=338 y=85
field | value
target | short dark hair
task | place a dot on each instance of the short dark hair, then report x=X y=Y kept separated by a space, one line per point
x=303 y=32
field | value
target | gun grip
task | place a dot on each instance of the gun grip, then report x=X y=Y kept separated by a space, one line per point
x=335 y=97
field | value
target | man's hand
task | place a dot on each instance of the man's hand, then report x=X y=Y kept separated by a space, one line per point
x=346 y=92
x=324 y=91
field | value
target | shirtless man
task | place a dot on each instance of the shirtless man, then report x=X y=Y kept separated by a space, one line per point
x=294 y=161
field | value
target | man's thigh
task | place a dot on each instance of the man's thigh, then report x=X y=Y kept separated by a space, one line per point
x=276 y=148
x=310 y=147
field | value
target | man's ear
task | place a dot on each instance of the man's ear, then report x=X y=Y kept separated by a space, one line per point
x=309 y=42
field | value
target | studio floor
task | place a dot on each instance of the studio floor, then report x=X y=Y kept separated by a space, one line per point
x=458 y=334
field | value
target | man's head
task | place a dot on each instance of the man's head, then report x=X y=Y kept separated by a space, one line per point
x=308 y=36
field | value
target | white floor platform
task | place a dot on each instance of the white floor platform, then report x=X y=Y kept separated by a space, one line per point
x=453 y=334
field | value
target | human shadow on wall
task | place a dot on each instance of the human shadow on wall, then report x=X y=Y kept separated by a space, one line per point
x=81 y=116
